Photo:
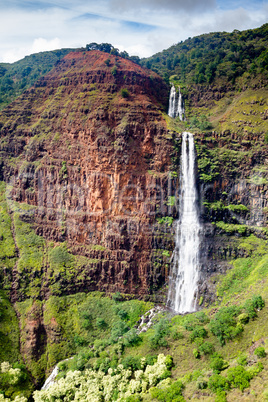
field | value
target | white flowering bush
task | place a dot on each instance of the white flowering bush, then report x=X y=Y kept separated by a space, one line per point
x=96 y=386
x=17 y=399
x=154 y=373
x=5 y=366
x=12 y=375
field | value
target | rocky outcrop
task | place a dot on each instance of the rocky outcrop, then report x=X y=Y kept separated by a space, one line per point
x=89 y=147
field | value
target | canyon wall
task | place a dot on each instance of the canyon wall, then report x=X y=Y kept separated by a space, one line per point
x=89 y=148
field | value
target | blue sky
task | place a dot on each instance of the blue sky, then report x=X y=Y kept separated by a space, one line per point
x=141 y=27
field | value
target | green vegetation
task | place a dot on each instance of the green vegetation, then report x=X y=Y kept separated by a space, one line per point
x=169 y=393
x=125 y=93
x=18 y=76
x=14 y=381
x=9 y=331
x=82 y=320
x=219 y=353
x=8 y=254
x=260 y=351
x=118 y=383
x=216 y=57
x=108 y=48
x=247 y=273
x=202 y=123
x=168 y=220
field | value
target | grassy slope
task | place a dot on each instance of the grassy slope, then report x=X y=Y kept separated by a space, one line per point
x=75 y=319
x=242 y=113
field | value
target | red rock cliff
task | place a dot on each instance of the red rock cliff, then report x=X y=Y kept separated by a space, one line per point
x=88 y=145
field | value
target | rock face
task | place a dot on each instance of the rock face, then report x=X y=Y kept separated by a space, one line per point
x=89 y=147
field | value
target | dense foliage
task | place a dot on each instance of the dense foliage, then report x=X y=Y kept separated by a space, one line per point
x=218 y=56
x=108 y=48
x=117 y=384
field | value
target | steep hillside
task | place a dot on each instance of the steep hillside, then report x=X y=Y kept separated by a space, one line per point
x=90 y=171
x=88 y=147
x=222 y=59
x=18 y=76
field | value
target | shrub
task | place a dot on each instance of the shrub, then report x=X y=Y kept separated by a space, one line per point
x=151 y=360
x=239 y=377
x=79 y=340
x=249 y=307
x=221 y=396
x=202 y=123
x=125 y=93
x=119 y=328
x=132 y=362
x=63 y=173
x=100 y=323
x=201 y=384
x=87 y=322
x=133 y=398
x=122 y=314
x=217 y=363
x=255 y=370
x=192 y=321
x=258 y=302
x=218 y=383
x=196 y=353
x=206 y=348
x=131 y=338
x=114 y=71
x=169 y=362
x=166 y=374
x=198 y=332
x=242 y=360
x=161 y=329
x=100 y=344
x=176 y=335
x=173 y=393
x=224 y=325
x=243 y=318
x=260 y=351
x=117 y=297
x=253 y=304
x=103 y=364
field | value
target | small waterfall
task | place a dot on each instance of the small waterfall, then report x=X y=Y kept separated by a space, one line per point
x=185 y=269
x=180 y=109
x=176 y=104
x=172 y=102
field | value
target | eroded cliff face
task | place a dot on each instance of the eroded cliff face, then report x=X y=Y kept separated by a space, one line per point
x=89 y=148
x=233 y=194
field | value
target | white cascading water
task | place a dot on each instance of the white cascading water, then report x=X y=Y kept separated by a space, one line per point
x=183 y=281
x=172 y=102
x=176 y=105
x=180 y=108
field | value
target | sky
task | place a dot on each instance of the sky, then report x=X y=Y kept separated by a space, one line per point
x=140 y=27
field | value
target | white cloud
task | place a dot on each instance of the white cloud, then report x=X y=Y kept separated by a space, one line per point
x=41 y=45
x=25 y=30
x=173 y=5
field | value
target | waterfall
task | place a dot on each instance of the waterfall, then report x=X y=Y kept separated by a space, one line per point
x=176 y=104
x=172 y=102
x=180 y=109
x=185 y=269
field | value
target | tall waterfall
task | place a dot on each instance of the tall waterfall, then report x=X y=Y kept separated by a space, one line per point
x=185 y=269
x=176 y=104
